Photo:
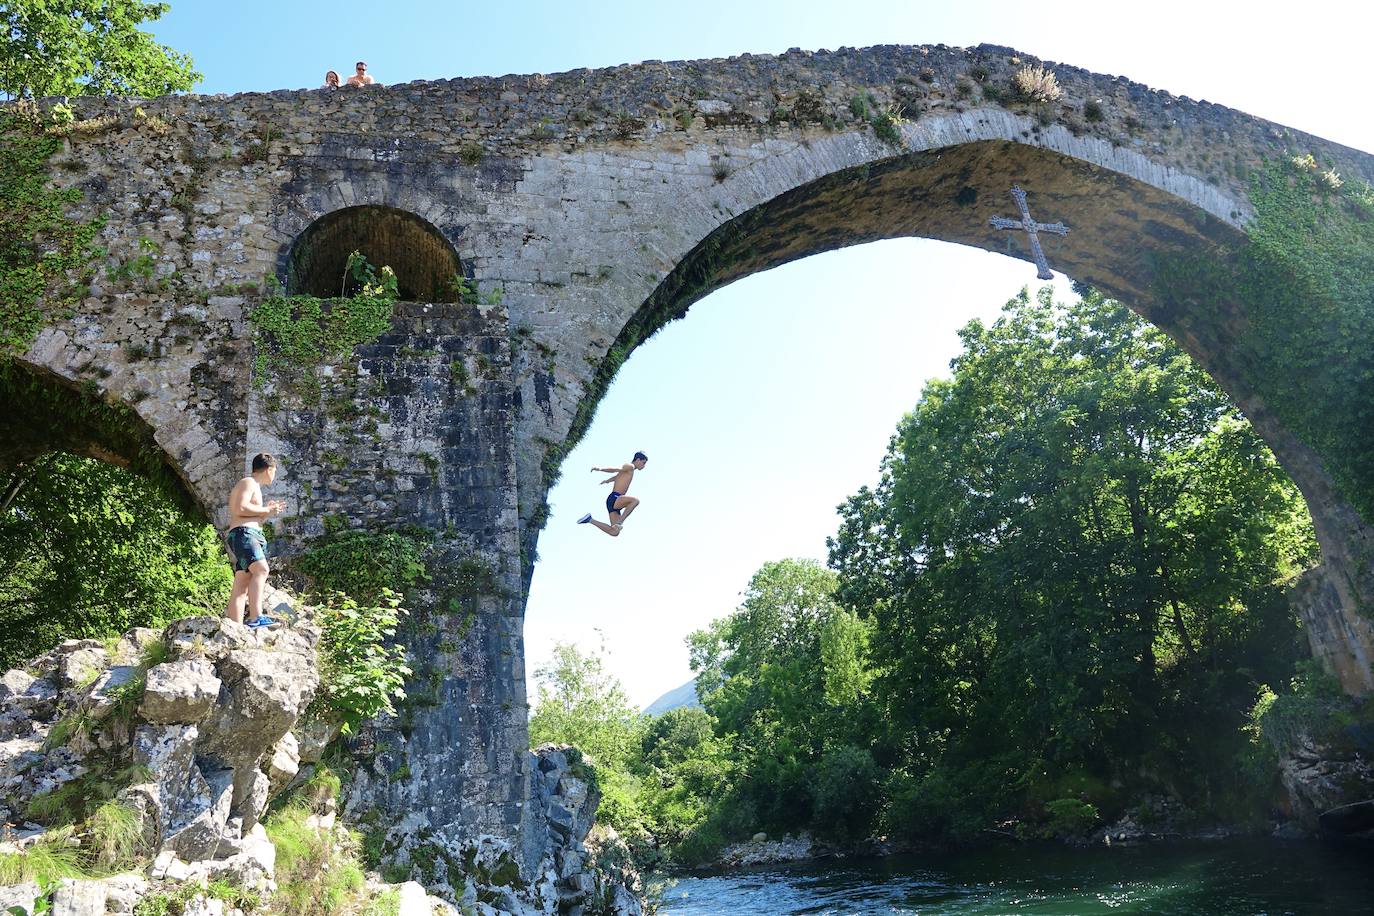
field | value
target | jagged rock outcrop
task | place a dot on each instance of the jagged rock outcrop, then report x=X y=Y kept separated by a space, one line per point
x=1330 y=786
x=198 y=714
x=578 y=870
x=204 y=721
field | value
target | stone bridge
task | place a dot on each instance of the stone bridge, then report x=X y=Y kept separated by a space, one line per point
x=601 y=204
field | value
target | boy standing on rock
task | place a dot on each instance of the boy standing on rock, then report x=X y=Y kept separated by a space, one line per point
x=247 y=543
x=618 y=505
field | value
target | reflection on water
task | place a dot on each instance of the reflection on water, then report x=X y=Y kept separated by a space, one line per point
x=1241 y=877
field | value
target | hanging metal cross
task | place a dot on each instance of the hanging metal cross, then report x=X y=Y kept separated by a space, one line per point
x=1031 y=227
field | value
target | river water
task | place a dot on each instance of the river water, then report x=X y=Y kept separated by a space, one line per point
x=1217 y=878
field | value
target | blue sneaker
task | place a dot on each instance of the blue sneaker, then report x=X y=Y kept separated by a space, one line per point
x=584 y=519
x=262 y=620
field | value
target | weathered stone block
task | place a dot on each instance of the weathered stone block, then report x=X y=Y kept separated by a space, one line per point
x=179 y=692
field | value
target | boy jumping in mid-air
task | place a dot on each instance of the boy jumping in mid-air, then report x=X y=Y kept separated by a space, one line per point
x=618 y=505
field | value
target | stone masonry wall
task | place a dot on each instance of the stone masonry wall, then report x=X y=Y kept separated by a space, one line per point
x=601 y=204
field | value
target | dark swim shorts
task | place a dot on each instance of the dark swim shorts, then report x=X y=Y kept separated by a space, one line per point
x=610 y=500
x=248 y=545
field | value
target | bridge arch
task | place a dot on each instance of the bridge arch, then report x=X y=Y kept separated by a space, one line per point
x=1126 y=216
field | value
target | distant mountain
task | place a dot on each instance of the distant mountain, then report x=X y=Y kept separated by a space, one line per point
x=686 y=695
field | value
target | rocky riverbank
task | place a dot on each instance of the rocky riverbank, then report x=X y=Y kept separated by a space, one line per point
x=149 y=774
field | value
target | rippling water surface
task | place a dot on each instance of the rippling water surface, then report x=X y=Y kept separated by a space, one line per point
x=1211 y=879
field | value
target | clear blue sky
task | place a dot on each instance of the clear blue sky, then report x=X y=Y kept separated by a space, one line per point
x=776 y=397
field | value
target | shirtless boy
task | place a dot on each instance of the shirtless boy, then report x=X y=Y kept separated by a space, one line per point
x=247 y=543
x=618 y=505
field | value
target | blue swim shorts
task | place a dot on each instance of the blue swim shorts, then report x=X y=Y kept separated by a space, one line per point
x=248 y=545
x=610 y=500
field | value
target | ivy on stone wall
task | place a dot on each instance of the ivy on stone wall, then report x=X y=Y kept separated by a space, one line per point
x=364 y=564
x=1305 y=291
x=296 y=334
x=45 y=256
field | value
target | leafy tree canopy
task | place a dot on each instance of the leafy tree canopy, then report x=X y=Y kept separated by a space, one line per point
x=89 y=550
x=87 y=47
x=1073 y=564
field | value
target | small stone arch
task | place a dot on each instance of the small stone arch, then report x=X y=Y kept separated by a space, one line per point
x=424 y=260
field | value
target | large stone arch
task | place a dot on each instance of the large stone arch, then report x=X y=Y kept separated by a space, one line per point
x=45 y=409
x=1126 y=214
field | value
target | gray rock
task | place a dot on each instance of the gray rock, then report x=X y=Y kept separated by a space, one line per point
x=129 y=649
x=254 y=802
x=122 y=892
x=561 y=820
x=438 y=906
x=249 y=862
x=312 y=737
x=79 y=898
x=100 y=698
x=168 y=753
x=264 y=694
x=1319 y=778
x=284 y=763
x=145 y=800
x=35 y=696
x=14 y=684
x=206 y=637
x=201 y=825
x=23 y=895
x=15 y=723
x=575 y=791
x=201 y=905
x=82 y=663
x=624 y=903
x=414 y=900
x=181 y=691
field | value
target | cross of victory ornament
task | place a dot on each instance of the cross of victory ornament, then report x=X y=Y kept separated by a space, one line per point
x=1032 y=228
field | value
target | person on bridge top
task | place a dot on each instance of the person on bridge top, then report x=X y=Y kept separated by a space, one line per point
x=331 y=80
x=618 y=505
x=360 y=77
x=247 y=544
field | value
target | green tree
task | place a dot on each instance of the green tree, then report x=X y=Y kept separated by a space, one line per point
x=1072 y=564
x=90 y=549
x=87 y=47
x=787 y=677
x=581 y=704
x=684 y=771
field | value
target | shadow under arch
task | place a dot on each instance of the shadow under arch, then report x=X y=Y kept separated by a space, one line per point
x=424 y=260
x=41 y=413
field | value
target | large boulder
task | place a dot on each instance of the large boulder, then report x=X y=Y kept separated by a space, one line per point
x=1320 y=778
x=264 y=693
x=180 y=691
